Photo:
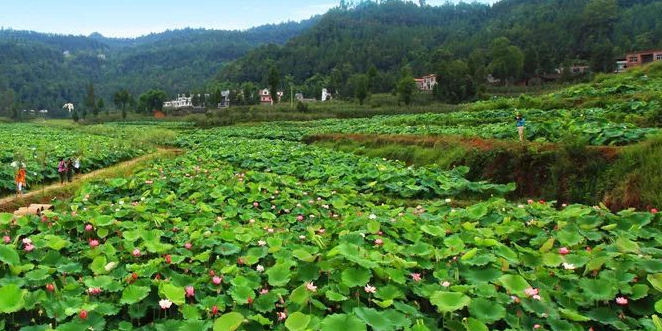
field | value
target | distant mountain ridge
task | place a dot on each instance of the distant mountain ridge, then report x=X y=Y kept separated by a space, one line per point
x=45 y=70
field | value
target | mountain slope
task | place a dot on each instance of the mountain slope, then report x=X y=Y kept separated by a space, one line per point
x=395 y=34
x=47 y=70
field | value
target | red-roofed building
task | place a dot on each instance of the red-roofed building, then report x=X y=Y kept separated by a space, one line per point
x=426 y=83
x=636 y=59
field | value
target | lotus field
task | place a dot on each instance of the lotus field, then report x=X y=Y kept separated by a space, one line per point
x=41 y=147
x=255 y=234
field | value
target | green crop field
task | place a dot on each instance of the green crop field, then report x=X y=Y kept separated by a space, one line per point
x=249 y=228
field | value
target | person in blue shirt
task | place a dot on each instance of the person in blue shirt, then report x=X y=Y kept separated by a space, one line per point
x=520 y=127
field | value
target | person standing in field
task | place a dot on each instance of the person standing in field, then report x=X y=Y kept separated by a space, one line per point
x=62 y=170
x=70 y=170
x=520 y=127
x=77 y=166
x=20 y=179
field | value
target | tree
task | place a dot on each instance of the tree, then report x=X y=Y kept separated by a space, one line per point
x=101 y=105
x=602 y=57
x=456 y=85
x=121 y=99
x=274 y=81
x=195 y=100
x=152 y=100
x=90 y=101
x=406 y=88
x=507 y=60
x=359 y=84
x=6 y=102
x=216 y=97
x=74 y=115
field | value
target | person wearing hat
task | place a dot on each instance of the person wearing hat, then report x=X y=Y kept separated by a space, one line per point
x=520 y=126
x=20 y=179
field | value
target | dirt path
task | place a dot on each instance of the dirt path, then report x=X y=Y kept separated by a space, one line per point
x=41 y=192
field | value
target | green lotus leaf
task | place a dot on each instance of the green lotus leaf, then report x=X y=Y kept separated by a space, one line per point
x=133 y=294
x=11 y=298
x=9 y=255
x=656 y=281
x=279 y=275
x=343 y=322
x=103 y=221
x=486 y=311
x=353 y=277
x=99 y=281
x=377 y=320
x=55 y=242
x=337 y=297
x=627 y=246
x=515 y=284
x=173 y=293
x=476 y=325
x=240 y=294
x=573 y=315
x=449 y=301
x=297 y=321
x=597 y=289
x=261 y=320
x=228 y=322
x=301 y=295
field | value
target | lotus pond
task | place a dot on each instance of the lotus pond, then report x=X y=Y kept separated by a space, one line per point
x=251 y=234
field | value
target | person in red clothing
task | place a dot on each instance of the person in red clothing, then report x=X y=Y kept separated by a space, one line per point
x=20 y=179
x=62 y=171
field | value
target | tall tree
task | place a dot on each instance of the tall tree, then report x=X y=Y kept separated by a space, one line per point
x=122 y=99
x=101 y=105
x=90 y=101
x=152 y=100
x=359 y=84
x=406 y=89
x=274 y=81
x=456 y=84
x=507 y=60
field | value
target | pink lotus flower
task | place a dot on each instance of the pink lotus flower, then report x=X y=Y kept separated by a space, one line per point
x=94 y=291
x=529 y=201
x=7 y=239
x=654 y=210
x=188 y=245
x=89 y=228
x=256 y=204
x=251 y=221
x=416 y=277
x=622 y=301
x=94 y=243
x=302 y=237
x=446 y=284
x=564 y=251
x=281 y=315
x=370 y=289
x=27 y=241
x=311 y=287
x=261 y=243
x=217 y=280
x=165 y=304
x=214 y=310
x=264 y=291
x=136 y=252
x=300 y=218
x=536 y=297
x=321 y=231
x=50 y=287
x=149 y=182
x=190 y=291
x=28 y=247
x=83 y=314
x=73 y=214
x=379 y=242
x=531 y=291
x=168 y=259
x=259 y=268
x=536 y=326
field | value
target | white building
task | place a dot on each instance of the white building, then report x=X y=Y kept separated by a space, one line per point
x=181 y=102
x=325 y=95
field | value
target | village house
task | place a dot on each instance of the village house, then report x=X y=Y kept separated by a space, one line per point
x=265 y=97
x=636 y=59
x=426 y=83
x=225 y=99
x=182 y=101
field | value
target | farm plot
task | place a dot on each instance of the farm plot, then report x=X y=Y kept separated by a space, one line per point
x=207 y=241
x=41 y=147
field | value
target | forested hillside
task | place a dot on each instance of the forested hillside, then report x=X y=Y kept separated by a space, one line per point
x=541 y=35
x=46 y=70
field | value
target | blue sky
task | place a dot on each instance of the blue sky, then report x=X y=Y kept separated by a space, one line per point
x=131 y=18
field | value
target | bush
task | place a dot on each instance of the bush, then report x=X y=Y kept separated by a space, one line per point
x=302 y=107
